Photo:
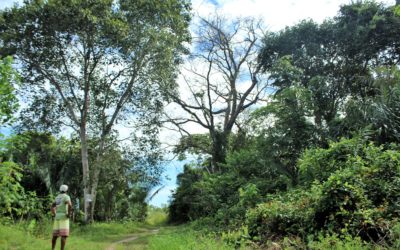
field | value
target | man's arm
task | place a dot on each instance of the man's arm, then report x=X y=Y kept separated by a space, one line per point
x=70 y=208
x=53 y=209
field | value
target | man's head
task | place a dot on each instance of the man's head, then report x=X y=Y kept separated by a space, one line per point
x=63 y=188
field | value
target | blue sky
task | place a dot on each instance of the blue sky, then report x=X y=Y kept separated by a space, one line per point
x=172 y=169
x=8 y=3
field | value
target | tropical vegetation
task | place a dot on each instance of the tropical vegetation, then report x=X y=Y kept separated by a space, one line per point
x=299 y=146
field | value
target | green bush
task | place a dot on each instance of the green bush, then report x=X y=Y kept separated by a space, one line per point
x=237 y=238
x=287 y=215
x=335 y=242
x=249 y=195
x=396 y=235
x=342 y=203
x=363 y=198
x=156 y=216
x=382 y=179
x=319 y=163
x=15 y=202
x=350 y=189
x=12 y=192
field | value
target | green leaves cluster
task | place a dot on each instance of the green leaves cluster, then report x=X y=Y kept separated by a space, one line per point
x=12 y=191
x=16 y=202
x=8 y=99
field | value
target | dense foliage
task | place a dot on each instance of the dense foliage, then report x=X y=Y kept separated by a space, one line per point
x=36 y=164
x=358 y=195
x=8 y=99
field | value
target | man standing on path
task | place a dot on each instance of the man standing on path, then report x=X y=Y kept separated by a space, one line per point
x=62 y=210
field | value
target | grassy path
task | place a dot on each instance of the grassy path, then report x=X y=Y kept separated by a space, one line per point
x=131 y=238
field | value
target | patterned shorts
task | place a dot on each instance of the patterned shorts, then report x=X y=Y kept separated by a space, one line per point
x=61 y=227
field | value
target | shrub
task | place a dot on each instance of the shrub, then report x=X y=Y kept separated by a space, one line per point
x=382 y=179
x=11 y=190
x=319 y=163
x=14 y=200
x=342 y=195
x=351 y=188
x=156 y=216
x=396 y=236
x=336 y=242
x=362 y=198
x=249 y=195
x=290 y=214
x=237 y=238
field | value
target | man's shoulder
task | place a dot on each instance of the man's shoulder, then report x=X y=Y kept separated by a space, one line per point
x=63 y=196
x=67 y=197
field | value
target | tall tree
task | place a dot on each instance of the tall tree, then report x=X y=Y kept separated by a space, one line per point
x=88 y=64
x=223 y=79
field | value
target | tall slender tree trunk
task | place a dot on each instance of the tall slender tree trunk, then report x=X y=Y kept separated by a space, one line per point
x=96 y=174
x=85 y=172
x=214 y=151
x=95 y=183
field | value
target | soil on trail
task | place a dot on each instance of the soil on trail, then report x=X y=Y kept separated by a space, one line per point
x=132 y=237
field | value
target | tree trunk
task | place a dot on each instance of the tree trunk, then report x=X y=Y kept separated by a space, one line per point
x=213 y=151
x=95 y=183
x=85 y=172
x=219 y=145
x=95 y=176
x=109 y=203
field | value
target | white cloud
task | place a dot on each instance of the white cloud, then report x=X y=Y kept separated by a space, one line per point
x=277 y=14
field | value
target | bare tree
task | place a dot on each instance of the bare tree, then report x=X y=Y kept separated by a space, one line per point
x=222 y=79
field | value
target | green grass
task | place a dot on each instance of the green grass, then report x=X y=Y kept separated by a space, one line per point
x=156 y=217
x=37 y=236
x=14 y=238
x=95 y=236
x=184 y=238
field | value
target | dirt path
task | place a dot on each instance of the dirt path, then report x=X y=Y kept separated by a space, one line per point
x=132 y=237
